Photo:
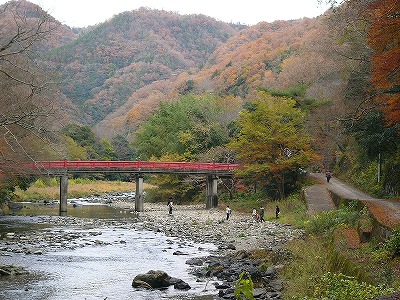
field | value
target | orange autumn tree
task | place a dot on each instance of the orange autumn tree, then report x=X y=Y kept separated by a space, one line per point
x=272 y=144
x=384 y=39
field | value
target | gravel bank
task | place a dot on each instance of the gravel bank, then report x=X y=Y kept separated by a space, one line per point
x=195 y=222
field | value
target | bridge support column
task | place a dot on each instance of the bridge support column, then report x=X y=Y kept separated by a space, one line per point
x=139 y=193
x=211 y=192
x=63 y=195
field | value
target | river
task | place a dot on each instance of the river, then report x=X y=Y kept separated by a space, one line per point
x=101 y=259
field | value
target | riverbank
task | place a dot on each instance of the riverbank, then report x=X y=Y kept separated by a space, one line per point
x=256 y=249
x=202 y=225
x=234 y=239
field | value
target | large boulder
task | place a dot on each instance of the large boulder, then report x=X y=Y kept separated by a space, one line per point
x=155 y=279
x=158 y=280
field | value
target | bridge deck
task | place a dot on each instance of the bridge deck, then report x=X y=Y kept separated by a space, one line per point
x=64 y=166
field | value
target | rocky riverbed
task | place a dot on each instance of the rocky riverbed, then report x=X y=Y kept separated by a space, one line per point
x=235 y=240
x=195 y=222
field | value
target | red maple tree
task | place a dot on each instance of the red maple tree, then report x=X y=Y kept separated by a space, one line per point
x=384 y=39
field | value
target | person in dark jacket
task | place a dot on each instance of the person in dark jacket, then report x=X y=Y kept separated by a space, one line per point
x=328 y=176
x=262 y=211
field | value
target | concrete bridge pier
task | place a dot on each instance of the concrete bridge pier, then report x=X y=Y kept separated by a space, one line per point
x=63 y=195
x=139 y=193
x=211 y=191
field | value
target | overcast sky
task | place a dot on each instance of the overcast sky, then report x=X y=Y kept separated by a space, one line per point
x=82 y=13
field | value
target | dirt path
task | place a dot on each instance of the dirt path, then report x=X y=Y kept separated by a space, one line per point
x=318 y=199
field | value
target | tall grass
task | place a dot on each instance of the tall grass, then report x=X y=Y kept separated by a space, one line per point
x=49 y=189
x=309 y=262
x=318 y=255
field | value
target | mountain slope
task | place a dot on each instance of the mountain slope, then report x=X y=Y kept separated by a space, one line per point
x=105 y=65
x=258 y=56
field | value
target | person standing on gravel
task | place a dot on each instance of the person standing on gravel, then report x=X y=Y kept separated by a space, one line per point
x=170 y=206
x=228 y=212
x=262 y=214
x=255 y=215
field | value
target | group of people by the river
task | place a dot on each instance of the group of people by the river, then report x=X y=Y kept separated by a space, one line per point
x=257 y=216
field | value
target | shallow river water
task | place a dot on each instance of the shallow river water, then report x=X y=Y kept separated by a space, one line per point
x=100 y=266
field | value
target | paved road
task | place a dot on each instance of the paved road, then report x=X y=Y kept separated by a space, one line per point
x=386 y=211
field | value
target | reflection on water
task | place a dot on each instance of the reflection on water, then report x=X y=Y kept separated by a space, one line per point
x=101 y=270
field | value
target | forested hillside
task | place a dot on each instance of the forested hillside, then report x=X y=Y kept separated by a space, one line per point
x=253 y=58
x=32 y=109
x=108 y=63
x=120 y=76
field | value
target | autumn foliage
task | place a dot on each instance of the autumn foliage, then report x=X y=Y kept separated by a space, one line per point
x=272 y=144
x=338 y=68
x=384 y=38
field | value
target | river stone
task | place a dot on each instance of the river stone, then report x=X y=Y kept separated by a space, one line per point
x=259 y=292
x=276 y=285
x=14 y=205
x=178 y=252
x=10 y=235
x=270 y=272
x=221 y=286
x=194 y=262
x=9 y=270
x=156 y=279
x=179 y=284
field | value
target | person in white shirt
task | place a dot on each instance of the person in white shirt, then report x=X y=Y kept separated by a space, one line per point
x=228 y=212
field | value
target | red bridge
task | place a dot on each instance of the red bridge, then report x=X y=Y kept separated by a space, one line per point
x=145 y=167
x=62 y=168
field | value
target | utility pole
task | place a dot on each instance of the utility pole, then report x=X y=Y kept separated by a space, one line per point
x=379 y=167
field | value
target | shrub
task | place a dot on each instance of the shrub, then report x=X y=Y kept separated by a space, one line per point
x=393 y=243
x=338 y=287
x=244 y=287
x=327 y=221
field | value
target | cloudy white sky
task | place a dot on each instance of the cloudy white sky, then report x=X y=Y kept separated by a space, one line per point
x=82 y=13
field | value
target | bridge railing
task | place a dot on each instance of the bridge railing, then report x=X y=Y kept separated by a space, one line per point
x=124 y=165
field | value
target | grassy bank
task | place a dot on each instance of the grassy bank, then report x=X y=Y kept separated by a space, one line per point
x=50 y=189
x=293 y=210
x=330 y=262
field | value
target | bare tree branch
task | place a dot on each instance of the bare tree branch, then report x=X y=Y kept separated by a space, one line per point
x=26 y=102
